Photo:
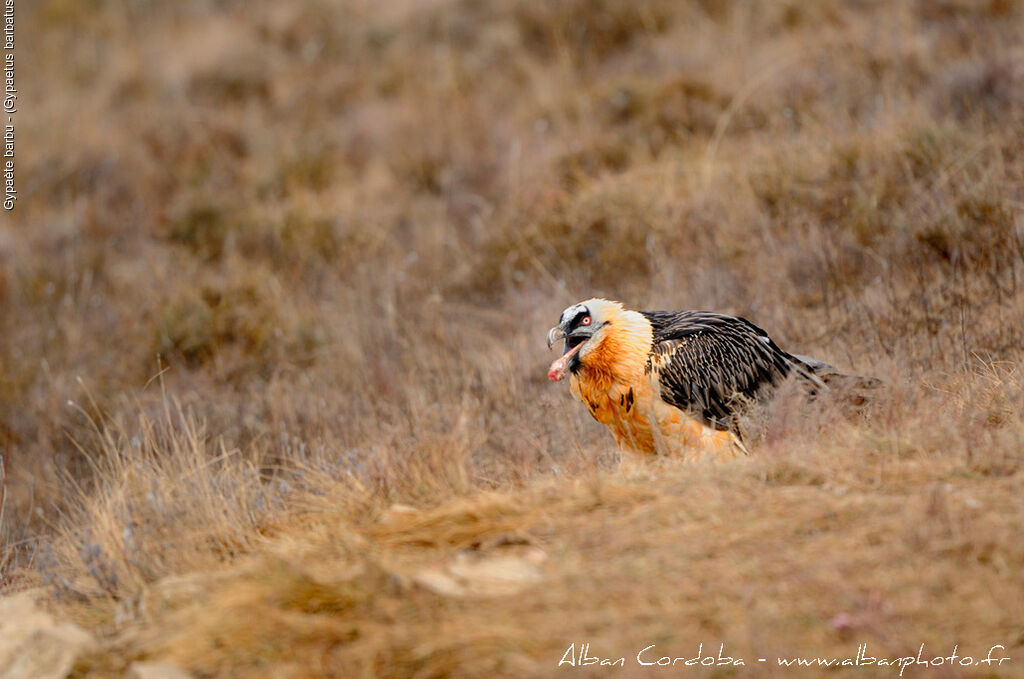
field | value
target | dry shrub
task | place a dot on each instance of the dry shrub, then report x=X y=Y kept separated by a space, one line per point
x=604 y=228
x=244 y=317
x=166 y=498
x=203 y=227
x=238 y=82
x=589 y=30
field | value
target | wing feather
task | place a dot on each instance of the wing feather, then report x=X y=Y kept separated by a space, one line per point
x=711 y=365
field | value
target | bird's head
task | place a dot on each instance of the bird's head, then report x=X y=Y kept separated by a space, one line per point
x=584 y=327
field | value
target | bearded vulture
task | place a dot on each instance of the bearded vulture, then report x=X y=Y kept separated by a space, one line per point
x=674 y=382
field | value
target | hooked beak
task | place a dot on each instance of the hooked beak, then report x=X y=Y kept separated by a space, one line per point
x=555 y=334
x=560 y=367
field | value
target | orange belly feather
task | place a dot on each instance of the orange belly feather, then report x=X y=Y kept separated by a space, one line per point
x=629 y=411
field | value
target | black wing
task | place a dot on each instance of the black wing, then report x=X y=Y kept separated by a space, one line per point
x=710 y=365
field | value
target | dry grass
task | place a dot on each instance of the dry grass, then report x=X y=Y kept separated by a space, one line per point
x=275 y=291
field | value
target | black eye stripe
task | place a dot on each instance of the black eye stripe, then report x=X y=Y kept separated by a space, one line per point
x=577 y=320
x=571 y=314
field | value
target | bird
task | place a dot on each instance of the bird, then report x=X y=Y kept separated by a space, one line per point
x=674 y=383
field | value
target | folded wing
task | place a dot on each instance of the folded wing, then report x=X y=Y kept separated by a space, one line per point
x=711 y=365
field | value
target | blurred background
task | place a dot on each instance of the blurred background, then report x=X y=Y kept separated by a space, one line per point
x=332 y=236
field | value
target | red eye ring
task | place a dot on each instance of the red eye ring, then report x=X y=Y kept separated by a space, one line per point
x=586 y=320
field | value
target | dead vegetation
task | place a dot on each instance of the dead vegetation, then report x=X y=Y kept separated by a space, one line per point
x=274 y=299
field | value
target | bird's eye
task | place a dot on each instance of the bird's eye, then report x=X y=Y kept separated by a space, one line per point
x=585 y=321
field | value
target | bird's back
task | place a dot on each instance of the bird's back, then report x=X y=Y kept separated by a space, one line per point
x=712 y=365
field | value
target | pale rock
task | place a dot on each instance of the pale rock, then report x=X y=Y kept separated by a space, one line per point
x=471 y=575
x=155 y=670
x=33 y=645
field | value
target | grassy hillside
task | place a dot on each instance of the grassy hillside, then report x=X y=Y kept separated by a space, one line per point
x=273 y=303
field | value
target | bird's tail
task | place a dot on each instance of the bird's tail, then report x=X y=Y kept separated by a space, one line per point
x=857 y=388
